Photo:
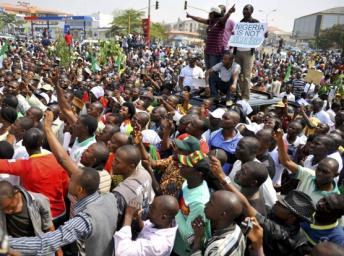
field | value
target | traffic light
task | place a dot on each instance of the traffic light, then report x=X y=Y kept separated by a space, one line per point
x=185 y=5
x=156 y=5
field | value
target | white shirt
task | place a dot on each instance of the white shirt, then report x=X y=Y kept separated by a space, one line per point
x=324 y=117
x=150 y=241
x=23 y=105
x=277 y=180
x=79 y=148
x=267 y=188
x=332 y=114
x=190 y=74
x=290 y=96
x=336 y=155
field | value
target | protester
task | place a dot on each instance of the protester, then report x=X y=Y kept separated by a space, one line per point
x=131 y=126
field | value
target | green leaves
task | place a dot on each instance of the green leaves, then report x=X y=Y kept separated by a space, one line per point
x=62 y=51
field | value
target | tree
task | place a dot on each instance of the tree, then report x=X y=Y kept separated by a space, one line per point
x=7 y=20
x=331 y=37
x=158 y=31
x=128 y=21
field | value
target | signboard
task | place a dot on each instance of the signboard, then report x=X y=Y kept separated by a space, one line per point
x=248 y=35
x=314 y=76
x=66 y=29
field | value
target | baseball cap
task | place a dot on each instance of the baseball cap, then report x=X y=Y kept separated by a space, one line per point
x=215 y=9
x=218 y=113
x=189 y=144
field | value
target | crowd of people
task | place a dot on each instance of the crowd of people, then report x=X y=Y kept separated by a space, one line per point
x=124 y=162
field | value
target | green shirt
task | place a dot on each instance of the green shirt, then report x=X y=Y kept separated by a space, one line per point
x=195 y=200
x=308 y=185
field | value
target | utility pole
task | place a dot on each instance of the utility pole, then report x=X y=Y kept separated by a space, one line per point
x=149 y=21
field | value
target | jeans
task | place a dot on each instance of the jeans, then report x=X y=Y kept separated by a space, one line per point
x=216 y=84
x=211 y=60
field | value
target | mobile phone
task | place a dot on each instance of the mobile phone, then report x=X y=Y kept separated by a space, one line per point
x=246 y=226
x=276 y=127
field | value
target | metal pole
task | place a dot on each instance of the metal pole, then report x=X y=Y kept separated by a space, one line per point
x=149 y=12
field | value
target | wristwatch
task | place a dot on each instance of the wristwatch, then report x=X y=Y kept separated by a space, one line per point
x=226 y=180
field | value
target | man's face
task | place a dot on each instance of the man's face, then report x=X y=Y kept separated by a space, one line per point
x=323 y=174
x=74 y=184
x=9 y=205
x=119 y=164
x=104 y=135
x=242 y=149
x=115 y=142
x=154 y=214
x=93 y=111
x=247 y=12
x=87 y=158
x=281 y=212
x=317 y=147
x=194 y=126
x=12 y=88
x=294 y=129
x=227 y=121
x=210 y=209
x=242 y=177
x=16 y=129
x=124 y=112
x=227 y=60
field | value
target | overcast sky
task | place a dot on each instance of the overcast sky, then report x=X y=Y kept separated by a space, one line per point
x=170 y=10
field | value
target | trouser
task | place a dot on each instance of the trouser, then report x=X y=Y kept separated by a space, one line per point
x=211 y=60
x=245 y=59
x=216 y=84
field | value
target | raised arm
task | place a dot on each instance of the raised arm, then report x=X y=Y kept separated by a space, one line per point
x=61 y=155
x=198 y=19
x=63 y=103
x=282 y=152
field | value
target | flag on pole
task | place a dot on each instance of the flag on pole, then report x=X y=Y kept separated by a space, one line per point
x=287 y=74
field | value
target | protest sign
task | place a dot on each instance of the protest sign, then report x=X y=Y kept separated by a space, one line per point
x=314 y=76
x=248 y=35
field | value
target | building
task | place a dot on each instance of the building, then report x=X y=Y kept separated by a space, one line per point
x=186 y=32
x=36 y=27
x=309 y=26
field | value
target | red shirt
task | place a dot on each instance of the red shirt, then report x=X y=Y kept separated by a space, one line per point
x=41 y=173
x=108 y=164
x=68 y=39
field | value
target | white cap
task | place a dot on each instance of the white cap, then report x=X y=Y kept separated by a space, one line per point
x=218 y=113
x=46 y=87
x=215 y=9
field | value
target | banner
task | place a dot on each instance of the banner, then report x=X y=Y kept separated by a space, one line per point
x=248 y=35
x=314 y=76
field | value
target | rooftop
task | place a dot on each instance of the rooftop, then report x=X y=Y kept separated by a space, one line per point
x=335 y=10
x=30 y=9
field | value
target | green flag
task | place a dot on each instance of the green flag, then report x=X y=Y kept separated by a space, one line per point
x=287 y=75
x=4 y=49
x=95 y=66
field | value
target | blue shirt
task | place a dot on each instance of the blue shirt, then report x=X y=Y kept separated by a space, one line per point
x=332 y=233
x=216 y=140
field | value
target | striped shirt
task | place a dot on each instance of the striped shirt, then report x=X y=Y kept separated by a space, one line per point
x=299 y=86
x=225 y=242
x=78 y=228
x=214 y=42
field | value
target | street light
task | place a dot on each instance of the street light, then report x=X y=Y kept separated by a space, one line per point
x=267 y=14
